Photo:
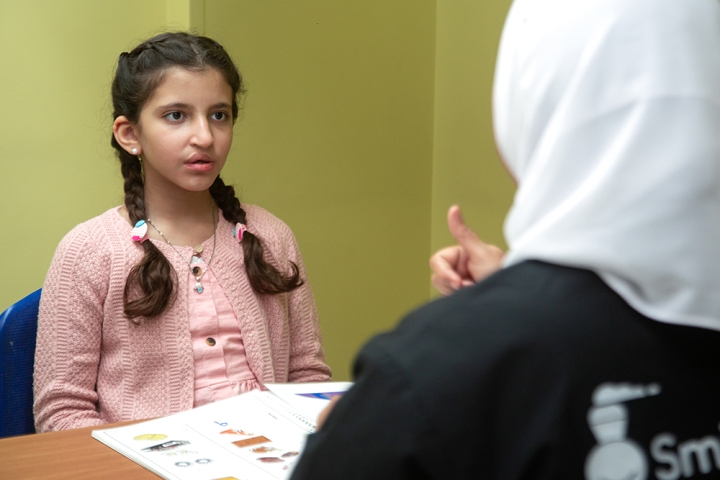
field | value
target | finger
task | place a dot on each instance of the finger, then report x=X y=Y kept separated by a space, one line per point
x=483 y=259
x=446 y=266
x=442 y=286
x=461 y=232
x=326 y=411
x=446 y=281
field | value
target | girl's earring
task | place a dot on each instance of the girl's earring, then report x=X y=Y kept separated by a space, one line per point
x=134 y=151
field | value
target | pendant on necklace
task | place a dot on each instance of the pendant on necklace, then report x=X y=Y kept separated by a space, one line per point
x=198 y=287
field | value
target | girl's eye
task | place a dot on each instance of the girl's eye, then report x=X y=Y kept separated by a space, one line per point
x=174 y=116
x=220 y=116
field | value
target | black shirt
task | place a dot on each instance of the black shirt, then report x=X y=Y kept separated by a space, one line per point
x=538 y=372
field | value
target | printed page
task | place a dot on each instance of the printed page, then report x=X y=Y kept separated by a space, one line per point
x=308 y=398
x=245 y=438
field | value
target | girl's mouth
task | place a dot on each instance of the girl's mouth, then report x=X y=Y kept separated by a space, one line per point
x=200 y=164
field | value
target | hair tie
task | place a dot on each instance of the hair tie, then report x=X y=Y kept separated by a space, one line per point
x=139 y=233
x=238 y=231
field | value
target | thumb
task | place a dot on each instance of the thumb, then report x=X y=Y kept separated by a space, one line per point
x=461 y=232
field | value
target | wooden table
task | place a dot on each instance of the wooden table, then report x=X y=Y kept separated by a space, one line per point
x=67 y=454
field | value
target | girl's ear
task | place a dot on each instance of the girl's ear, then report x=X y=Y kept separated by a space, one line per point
x=126 y=134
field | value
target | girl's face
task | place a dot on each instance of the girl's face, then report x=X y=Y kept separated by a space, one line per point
x=185 y=130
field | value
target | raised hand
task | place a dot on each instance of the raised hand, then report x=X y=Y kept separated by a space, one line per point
x=464 y=264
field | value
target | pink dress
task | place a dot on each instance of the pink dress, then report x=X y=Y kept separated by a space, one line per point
x=93 y=366
x=221 y=368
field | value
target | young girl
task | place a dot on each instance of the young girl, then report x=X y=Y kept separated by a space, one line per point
x=181 y=296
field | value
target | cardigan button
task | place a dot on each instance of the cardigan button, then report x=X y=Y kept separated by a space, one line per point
x=210 y=341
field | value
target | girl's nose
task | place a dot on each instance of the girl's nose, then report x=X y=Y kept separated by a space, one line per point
x=202 y=135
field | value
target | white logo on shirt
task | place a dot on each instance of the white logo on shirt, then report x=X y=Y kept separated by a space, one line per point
x=615 y=457
x=680 y=458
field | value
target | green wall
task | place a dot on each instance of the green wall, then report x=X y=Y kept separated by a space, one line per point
x=466 y=168
x=57 y=167
x=360 y=124
x=336 y=139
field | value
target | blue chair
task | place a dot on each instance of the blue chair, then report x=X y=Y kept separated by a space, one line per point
x=18 y=327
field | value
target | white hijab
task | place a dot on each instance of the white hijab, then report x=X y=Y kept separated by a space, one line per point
x=607 y=112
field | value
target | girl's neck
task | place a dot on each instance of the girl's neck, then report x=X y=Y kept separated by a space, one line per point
x=191 y=205
x=185 y=218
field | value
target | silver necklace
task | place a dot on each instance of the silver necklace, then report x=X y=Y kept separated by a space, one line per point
x=195 y=271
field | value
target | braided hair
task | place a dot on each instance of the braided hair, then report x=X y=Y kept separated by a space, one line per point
x=151 y=283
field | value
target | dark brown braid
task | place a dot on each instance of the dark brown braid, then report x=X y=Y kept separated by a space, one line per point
x=154 y=274
x=151 y=283
x=263 y=277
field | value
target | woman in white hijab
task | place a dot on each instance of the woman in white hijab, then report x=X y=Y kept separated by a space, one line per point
x=592 y=352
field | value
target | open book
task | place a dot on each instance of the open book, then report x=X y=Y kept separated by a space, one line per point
x=253 y=436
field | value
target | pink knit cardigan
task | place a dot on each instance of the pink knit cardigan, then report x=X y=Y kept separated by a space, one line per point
x=94 y=366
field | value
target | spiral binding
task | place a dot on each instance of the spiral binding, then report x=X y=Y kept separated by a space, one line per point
x=285 y=408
